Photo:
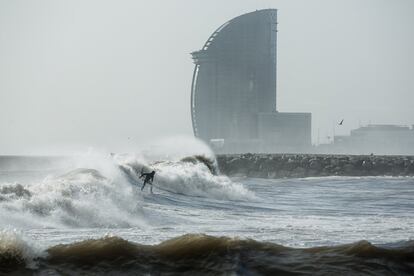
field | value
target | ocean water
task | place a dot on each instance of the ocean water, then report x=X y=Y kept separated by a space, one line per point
x=89 y=216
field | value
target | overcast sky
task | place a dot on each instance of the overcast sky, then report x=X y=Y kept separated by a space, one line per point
x=117 y=74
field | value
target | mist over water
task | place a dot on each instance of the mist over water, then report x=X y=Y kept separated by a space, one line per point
x=102 y=189
x=117 y=75
x=49 y=215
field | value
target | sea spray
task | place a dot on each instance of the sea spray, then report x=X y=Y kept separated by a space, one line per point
x=78 y=198
x=103 y=190
x=16 y=251
x=191 y=176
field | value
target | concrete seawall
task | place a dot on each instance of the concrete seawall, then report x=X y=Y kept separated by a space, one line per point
x=308 y=165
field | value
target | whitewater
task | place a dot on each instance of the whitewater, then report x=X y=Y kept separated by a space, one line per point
x=61 y=214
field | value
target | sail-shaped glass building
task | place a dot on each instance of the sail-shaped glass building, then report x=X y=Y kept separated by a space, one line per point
x=233 y=93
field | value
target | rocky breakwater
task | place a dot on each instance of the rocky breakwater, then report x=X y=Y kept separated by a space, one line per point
x=308 y=165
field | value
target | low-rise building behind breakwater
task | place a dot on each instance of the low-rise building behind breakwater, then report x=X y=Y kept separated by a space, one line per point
x=376 y=139
x=308 y=165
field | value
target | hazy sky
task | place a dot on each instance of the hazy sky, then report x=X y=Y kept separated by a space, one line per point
x=116 y=74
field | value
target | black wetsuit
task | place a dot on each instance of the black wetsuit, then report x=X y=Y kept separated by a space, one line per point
x=149 y=178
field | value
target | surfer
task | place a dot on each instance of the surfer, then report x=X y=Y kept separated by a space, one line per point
x=149 y=178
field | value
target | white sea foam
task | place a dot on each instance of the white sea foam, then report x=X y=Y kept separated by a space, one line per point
x=13 y=245
x=188 y=178
x=100 y=190
x=82 y=197
x=197 y=180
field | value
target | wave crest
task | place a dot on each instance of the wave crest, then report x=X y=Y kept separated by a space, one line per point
x=79 y=198
x=15 y=252
x=200 y=254
x=107 y=196
x=193 y=175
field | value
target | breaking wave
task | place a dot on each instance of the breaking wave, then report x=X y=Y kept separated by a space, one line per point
x=195 y=254
x=194 y=176
x=16 y=253
x=104 y=191
x=82 y=197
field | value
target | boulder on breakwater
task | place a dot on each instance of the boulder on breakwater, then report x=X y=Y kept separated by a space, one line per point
x=311 y=165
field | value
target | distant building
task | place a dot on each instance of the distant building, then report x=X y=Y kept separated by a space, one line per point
x=233 y=93
x=376 y=139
